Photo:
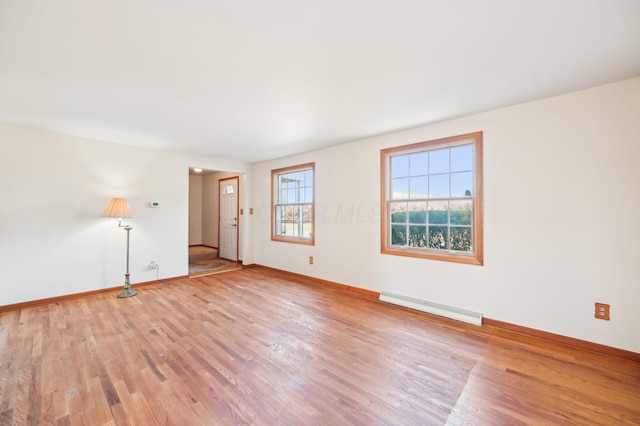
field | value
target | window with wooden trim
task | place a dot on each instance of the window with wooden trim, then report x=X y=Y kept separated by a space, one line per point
x=431 y=198
x=292 y=209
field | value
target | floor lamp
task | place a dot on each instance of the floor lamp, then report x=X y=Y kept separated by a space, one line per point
x=120 y=209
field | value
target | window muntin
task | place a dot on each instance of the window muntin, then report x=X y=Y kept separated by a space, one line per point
x=293 y=204
x=432 y=199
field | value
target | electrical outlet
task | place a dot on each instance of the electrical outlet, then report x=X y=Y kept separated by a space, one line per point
x=153 y=264
x=602 y=311
x=310 y=260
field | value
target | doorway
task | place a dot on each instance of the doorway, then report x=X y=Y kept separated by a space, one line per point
x=214 y=205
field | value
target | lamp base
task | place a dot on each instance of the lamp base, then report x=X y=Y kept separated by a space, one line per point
x=127 y=292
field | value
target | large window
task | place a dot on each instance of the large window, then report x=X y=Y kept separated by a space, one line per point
x=432 y=199
x=292 y=217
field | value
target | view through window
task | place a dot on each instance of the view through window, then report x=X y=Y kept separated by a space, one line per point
x=293 y=204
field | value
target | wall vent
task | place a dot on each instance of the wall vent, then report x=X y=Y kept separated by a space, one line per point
x=432 y=308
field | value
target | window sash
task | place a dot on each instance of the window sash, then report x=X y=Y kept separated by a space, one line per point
x=293 y=220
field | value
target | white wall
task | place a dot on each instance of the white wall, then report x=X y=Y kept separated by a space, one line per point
x=53 y=240
x=195 y=210
x=561 y=228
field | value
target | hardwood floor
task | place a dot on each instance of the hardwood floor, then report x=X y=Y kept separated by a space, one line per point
x=255 y=346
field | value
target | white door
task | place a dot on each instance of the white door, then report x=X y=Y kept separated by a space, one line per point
x=228 y=236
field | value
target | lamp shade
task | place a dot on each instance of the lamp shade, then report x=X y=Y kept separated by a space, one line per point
x=118 y=207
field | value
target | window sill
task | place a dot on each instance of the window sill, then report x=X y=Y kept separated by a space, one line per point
x=468 y=259
x=308 y=242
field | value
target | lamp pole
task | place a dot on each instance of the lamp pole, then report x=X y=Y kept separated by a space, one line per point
x=127 y=292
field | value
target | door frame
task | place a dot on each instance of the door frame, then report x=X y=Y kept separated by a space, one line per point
x=237 y=178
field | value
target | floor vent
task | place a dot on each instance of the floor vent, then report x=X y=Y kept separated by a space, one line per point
x=432 y=308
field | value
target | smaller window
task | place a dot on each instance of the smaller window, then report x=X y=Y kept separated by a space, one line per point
x=228 y=189
x=292 y=209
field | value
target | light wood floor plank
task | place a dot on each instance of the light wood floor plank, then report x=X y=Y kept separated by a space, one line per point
x=255 y=346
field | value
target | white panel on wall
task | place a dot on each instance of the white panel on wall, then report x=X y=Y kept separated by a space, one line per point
x=195 y=209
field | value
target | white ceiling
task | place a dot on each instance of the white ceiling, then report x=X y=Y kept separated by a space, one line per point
x=254 y=79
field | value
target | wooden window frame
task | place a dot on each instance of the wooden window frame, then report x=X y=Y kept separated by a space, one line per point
x=274 y=175
x=475 y=258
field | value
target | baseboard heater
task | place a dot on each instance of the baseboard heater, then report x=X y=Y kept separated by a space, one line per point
x=432 y=308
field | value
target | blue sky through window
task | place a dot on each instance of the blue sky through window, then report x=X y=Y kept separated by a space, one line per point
x=438 y=173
